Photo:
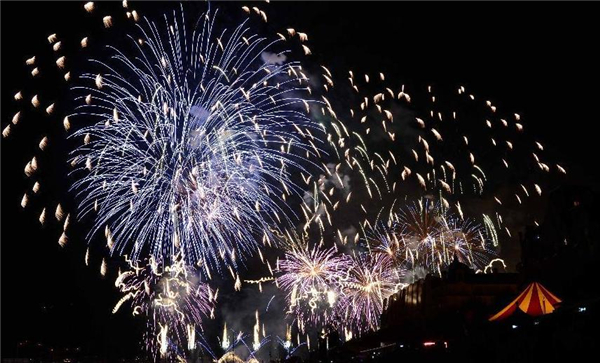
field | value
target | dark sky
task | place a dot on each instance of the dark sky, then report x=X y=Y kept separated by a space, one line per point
x=538 y=60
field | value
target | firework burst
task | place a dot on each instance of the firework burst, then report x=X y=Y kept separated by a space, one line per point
x=426 y=236
x=192 y=144
x=469 y=242
x=172 y=299
x=310 y=278
x=407 y=144
x=371 y=279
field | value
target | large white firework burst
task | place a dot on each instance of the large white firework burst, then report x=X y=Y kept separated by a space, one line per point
x=194 y=141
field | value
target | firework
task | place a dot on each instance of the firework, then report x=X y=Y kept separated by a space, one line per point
x=195 y=154
x=288 y=346
x=424 y=224
x=469 y=242
x=193 y=138
x=395 y=147
x=230 y=357
x=310 y=277
x=239 y=341
x=172 y=298
x=433 y=237
x=190 y=141
x=385 y=237
x=426 y=236
x=370 y=281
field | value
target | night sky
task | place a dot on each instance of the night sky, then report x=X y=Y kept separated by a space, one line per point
x=538 y=60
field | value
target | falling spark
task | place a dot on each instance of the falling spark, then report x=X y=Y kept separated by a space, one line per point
x=89 y=6
x=42 y=217
x=99 y=81
x=66 y=123
x=103 y=268
x=6 y=131
x=59 y=213
x=60 y=62
x=43 y=143
x=107 y=21
x=24 y=200
x=16 y=118
x=35 y=101
x=62 y=241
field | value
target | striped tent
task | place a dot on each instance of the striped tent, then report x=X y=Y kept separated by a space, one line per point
x=534 y=300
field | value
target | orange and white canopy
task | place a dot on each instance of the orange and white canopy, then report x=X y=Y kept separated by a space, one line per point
x=534 y=300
